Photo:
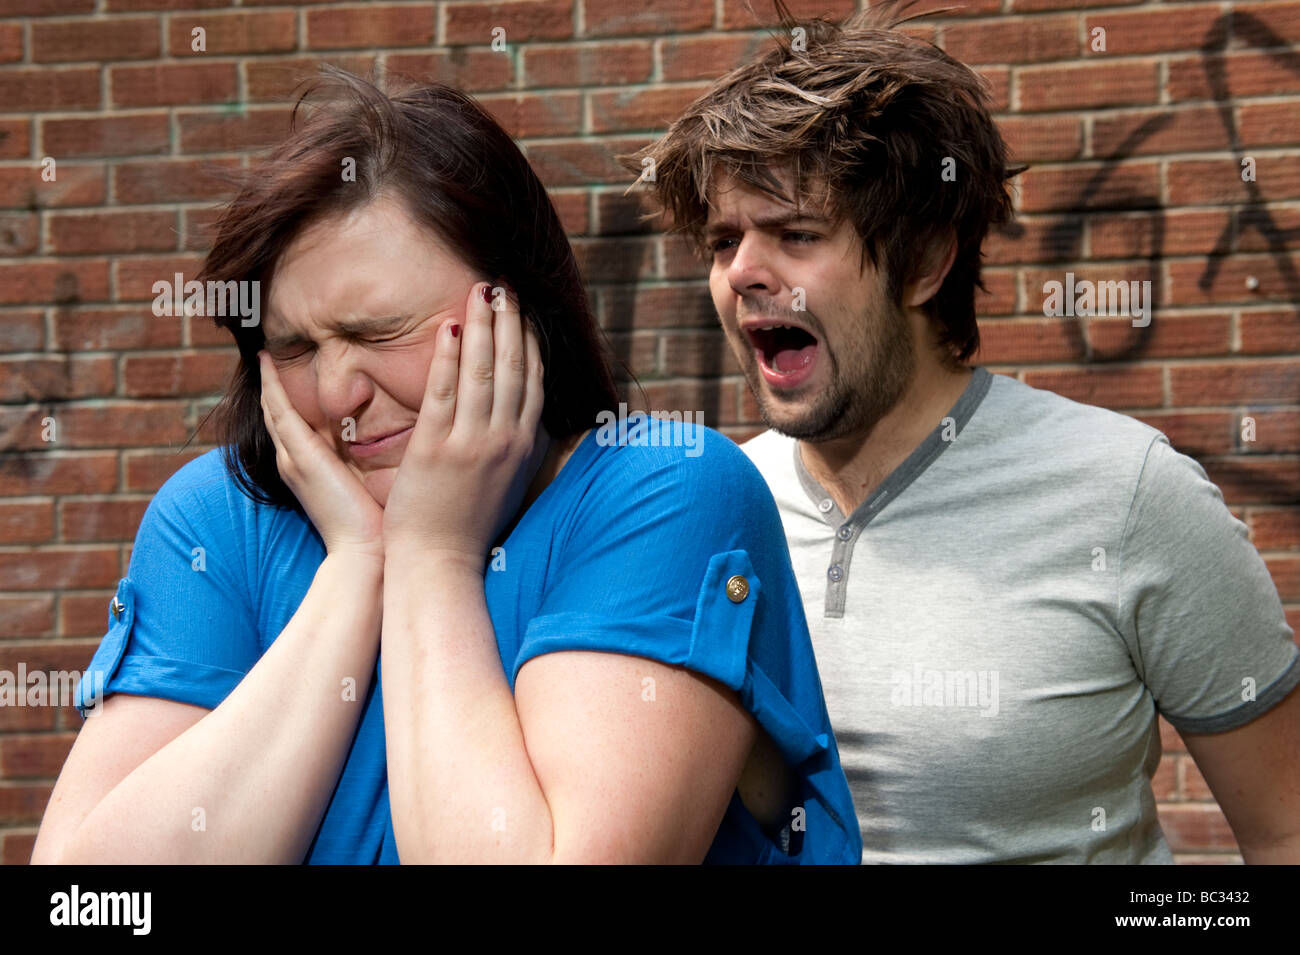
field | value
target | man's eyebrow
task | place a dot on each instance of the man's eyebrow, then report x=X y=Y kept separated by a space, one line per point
x=768 y=222
x=352 y=328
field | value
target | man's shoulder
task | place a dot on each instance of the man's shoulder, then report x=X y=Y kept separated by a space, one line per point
x=1016 y=411
x=772 y=453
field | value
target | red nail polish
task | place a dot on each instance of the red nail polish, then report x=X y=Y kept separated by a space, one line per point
x=455 y=331
x=487 y=294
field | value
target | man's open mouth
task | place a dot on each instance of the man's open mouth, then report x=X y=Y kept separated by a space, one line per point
x=786 y=353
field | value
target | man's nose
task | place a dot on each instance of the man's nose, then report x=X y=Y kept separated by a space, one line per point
x=750 y=269
x=342 y=385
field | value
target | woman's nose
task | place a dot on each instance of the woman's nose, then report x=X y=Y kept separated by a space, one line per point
x=342 y=386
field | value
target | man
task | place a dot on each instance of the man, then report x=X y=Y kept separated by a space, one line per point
x=1004 y=587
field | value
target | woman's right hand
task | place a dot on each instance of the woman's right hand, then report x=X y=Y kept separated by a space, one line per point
x=343 y=512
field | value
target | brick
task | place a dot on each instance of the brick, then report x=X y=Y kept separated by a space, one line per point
x=614 y=259
x=1035 y=239
x=57 y=568
x=571 y=207
x=1267 y=23
x=111 y=231
x=473 y=70
x=471 y=23
x=653 y=109
x=263 y=31
x=57 y=473
x=638 y=351
x=136 y=276
x=113 y=329
x=1194 y=784
x=1211 y=182
x=1086 y=86
x=1042 y=138
x=997 y=80
x=1266 y=228
x=618 y=18
x=26 y=616
x=1194 y=27
x=370 y=26
x=1268 y=124
x=1193 y=826
x=1196 y=283
x=699 y=354
x=165 y=84
x=716 y=399
x=1115 y=388
x=101 y=425
x=60 y=282
x=100 y=519
x=21 y=187
x=166 y=376
x=1124 y=185
x=115 y=6
x=45 y=8
x=23 y=803
x=1234 y=383
x=114 y=38
x=580 y=162
x=1030 y=340
x=21 y=331
x=705 y=57
x=26 y=522
x=1191 y=129
x=588 y=64
x=149 y=470
x=1286 y=576
x=525 y=115
x=1158 y=233
x=1269 y=331
x=680 y=261
x=105 y=136
x=1256 y=480
x=34 y=757
x=665 y=306
x=1275 y=431
x=1195 y=433
x=276 y=78
x=1170 y=335
x=46 y=89
x=15 y=138
x=739 y=16
x=232 y=131
x=1037 y=6
x=1000 y=299
x=618 y=214
x=1013 y=40
x=173 y=180
x=1164 y=784
x=84 y=615
x=19 y=233
x=1275 y=529
x=1230 y=77
x=56 y=378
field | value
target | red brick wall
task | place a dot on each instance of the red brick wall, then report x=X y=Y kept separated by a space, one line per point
x=1136 y=154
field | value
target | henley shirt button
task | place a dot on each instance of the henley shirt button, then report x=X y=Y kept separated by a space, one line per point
x=825 y=505
x=845 y=532
x=835 y=573
x=737 y=589
x=117 y=607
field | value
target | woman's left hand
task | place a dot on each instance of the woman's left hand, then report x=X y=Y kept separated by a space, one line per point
x=478 y=440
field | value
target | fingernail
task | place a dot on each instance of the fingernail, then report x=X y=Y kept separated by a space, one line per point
x=455 y=331
x=487 y=294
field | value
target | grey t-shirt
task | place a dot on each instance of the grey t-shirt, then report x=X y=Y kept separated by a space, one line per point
x=998 y=624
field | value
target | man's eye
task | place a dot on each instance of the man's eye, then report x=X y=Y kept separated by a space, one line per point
x=288 y=353
x=802 y=236
x=720 y=245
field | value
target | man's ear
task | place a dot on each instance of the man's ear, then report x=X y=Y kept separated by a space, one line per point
x=938 y=260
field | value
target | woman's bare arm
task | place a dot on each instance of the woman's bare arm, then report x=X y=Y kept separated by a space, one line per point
x=257 y=772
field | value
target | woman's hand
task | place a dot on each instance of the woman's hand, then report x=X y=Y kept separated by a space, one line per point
x=478 y=440
x=343 y=512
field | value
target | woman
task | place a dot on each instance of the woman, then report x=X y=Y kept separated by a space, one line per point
x=590 y=652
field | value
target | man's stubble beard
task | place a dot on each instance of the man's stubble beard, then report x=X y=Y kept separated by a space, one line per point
x=854 y=401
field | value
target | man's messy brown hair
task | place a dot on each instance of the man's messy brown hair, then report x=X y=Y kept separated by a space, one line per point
x=861 y=117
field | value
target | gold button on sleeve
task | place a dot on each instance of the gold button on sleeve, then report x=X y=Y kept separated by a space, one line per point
x=737 y=589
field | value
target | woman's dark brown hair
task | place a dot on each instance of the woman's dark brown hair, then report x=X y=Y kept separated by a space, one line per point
x=462 y=177
x=868 y=118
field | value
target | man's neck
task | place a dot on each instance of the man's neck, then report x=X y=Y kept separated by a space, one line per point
x=852 y=467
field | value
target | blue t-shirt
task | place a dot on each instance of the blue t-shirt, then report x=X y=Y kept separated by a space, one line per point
x=628 y=550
